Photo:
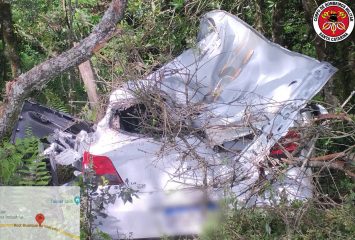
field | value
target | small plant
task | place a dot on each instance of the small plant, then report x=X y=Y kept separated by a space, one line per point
x=96 y=196
x=54 y=101
x=21 y=163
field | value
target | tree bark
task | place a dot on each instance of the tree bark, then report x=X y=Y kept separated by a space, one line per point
x=88 y=76
x=277 y=22
x=18 y=89
x=2 y=60
x=9 y=39
x=258 y=22
x=334 y=161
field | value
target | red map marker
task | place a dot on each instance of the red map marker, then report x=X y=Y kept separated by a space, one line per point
x=40 y=218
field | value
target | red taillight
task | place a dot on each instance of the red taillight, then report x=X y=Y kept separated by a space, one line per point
x=289 y=142
x=103 y=167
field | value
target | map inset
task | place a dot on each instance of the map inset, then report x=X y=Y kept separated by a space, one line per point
x=39 y=213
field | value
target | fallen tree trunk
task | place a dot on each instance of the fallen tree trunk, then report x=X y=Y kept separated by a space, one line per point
x=19 y=88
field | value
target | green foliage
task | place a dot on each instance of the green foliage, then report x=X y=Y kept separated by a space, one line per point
x=45 y=29
x=21 y=164
x=10 y=160
x=100 y=235
x=298 y=221
x=55 y=102
x=88 y=114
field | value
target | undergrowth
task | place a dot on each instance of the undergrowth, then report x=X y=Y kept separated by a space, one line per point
x=298 y=221
x=22 y=165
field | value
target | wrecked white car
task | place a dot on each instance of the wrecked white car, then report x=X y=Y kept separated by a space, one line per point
x=204 y=126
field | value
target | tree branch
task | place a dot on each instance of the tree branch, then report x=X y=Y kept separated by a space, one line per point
x=18 y=89
x=338 y=116
x=333 y=161
x=278 y=21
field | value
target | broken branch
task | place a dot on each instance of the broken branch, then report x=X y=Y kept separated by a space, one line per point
x=329 y=161
x=340 y=116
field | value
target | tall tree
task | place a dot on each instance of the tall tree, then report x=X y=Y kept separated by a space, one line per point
x=277 y=21
x=259 y=24
x=2 y=59
x=9 y=39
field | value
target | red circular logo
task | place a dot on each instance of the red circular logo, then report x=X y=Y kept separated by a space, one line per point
x=333 y=21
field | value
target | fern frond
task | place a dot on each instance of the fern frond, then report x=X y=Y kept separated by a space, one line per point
x=55 y=102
